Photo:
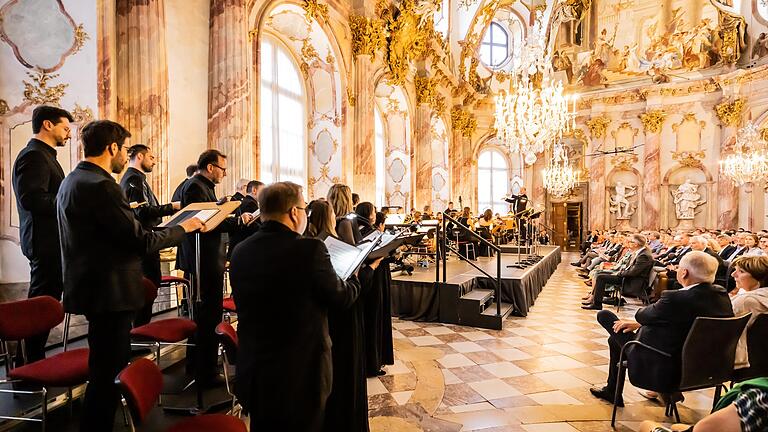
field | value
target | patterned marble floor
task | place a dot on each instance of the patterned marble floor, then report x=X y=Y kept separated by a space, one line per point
x=533 y=375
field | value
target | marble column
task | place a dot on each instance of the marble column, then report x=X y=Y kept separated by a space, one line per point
x=229 y=89
x=364 y=162
x=538 y=194
x=727 y=192
x=422 y=156
x=597 y=190
x=460 y=170
x=653 y=122
x=141 y=71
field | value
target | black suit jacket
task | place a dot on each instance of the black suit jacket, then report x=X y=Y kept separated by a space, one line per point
x=134 y=185
x=102 y=243
x=284 y=361
x=665 y=325
x=37 y=177
x=637 y=274
x=212 y=255
x=727 y=251
x=679 y=255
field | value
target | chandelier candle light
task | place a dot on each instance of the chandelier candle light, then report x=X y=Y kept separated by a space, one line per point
x=749 y=162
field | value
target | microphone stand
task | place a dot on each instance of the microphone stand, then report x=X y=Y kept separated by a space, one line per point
x=520 y=263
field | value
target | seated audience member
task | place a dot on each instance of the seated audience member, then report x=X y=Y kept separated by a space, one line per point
x=605 y=251
x=726 y=245
x=764 y=244
x=750 y=242
x=743 y=409
x=700 y=243
x=672 y=258
x=738 y=250
x=639 y=264
x=751 y=276
x=322 y=220
x=664 y=325
x=279 y=387
x=655 y=244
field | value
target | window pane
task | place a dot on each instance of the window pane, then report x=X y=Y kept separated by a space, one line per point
x=499 y=184
x=499 y=55
x=484 y=186
x=498 y=34
x=485 y=54
x=266 y=59
x=288 y=76
x=499 y=161
x=484 y=161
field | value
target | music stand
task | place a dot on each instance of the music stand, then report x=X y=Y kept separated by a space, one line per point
x=519 y=264
x=223 y=211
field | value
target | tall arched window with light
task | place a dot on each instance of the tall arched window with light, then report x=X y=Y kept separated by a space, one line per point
x=494 y=49
x=492 y=181
x=283 y=147
x=380 y=157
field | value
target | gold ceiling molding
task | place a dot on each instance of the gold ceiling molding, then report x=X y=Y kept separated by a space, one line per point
x=438 y=105
x=689 y=117
x=653 y=120
x=308 y=56
x=351 y=97
x=733 y=34
x=367 y=35
x=463 y=121
x=80 y=37
x=689 y=159
x=469 y=45
x=82 y=115
x=624 y=125
x=729 y=112
x=598 y=126
x=37 y=92
x=624 y=162
x=410 y=38
x=313 y=10
x=763 y=131
x=4 y=108
x=425 y=89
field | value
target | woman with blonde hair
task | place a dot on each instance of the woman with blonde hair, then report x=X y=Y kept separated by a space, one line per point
x=751 y=276
x=340 y=198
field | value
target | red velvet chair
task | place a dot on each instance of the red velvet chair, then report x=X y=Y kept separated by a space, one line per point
x=24 y=318
x=169 y=331
x=141 y=383
x=229 y=345
x=228 y=304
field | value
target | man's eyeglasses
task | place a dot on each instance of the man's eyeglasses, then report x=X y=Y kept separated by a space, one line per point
x=307 y=210
x=223 y=169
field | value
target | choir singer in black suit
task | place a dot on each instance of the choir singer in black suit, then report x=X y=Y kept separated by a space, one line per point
x=102 y=245
x=202 y=358
x=283 y=285
x=37 y=176
x=149 y=212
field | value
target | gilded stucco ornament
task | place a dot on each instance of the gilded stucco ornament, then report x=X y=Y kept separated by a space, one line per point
x=410 y=35
x=732 y=32
x=598 y=126
x=653 y=120
x=81 y=114
x=80 y=37
x=4 y=108
x=438 y=105
x=367 y=35
x=689 y=159
x=624 y=162
x=729 y=112
x=425 y=90
x=463 y=121
x=308 y=56
x=313 y=9
x=38 y=92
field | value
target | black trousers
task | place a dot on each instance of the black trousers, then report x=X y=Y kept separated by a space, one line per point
x=202 y=359
x=616 y=341
x=150 y=265
x=45 y=279
x=109 y=341
x=601 y=281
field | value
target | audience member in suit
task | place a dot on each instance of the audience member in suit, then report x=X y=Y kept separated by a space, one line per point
x=664 y=325
x=37 y=176
x=726 y=246
x=284 y=367
x=149 y=213
x=699 y=243
x=102 y=245
x=202 y=358
x=636 y=273
x=347 y=407
x=248 y=204
x=377 y=314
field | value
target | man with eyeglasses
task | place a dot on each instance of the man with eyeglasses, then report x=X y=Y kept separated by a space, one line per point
x=202 y=358
x=284 y=364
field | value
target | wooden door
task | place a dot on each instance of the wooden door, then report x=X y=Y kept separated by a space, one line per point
x=559 y=224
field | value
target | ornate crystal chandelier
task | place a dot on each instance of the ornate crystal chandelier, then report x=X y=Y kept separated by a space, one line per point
x=534 y=113
x=749 y=162
x=559 y=177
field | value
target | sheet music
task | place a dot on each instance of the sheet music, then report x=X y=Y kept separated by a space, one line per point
x=347 y=258
x=205 y=215
x=394 y=219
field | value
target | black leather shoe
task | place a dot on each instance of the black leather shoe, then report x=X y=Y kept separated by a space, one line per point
x=606 y=395
x=583 y=276
x=576 y=264
x=592 y=307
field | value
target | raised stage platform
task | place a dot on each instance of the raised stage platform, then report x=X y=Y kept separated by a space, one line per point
x=418 y=298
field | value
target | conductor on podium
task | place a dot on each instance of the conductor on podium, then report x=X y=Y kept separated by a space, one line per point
x=519 y=203
x=102 y=245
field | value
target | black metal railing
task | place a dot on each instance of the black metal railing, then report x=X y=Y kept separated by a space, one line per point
x=444 y=247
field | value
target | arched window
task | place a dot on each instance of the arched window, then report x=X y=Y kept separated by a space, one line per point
x=282 y=116
x=495 y=47
x=492 y=181
x=380 y=157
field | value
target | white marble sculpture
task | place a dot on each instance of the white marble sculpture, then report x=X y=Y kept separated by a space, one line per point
x=619 y=202
x=686 y=199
